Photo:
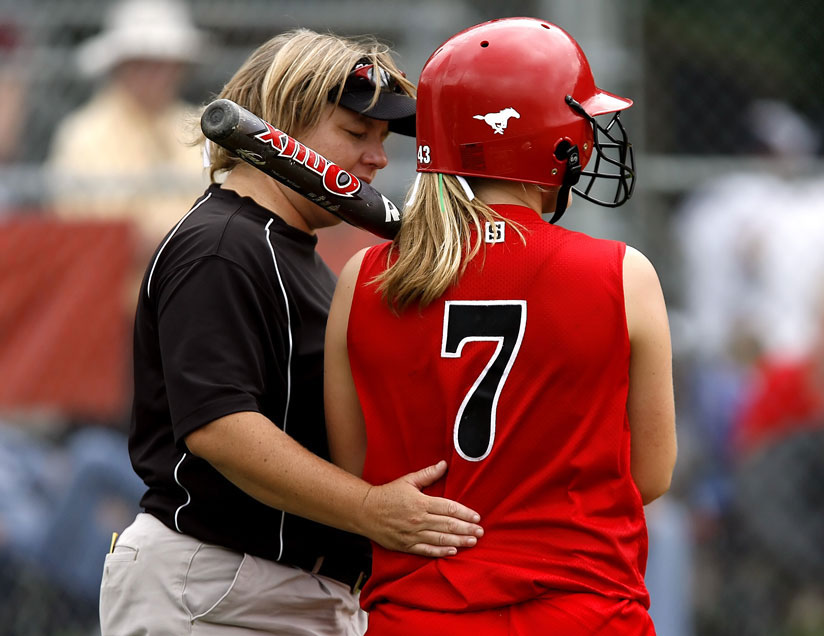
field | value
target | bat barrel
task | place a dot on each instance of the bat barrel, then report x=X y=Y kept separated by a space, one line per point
x=220 y=119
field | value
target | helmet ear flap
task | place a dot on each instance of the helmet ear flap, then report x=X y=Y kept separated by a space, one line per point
x=568 y=154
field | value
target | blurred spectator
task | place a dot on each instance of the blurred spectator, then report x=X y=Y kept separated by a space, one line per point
x=791 y=271
x=780 y=131
x=124 y=154
x=751 y=333
x=726 y=231
x=749 y=243
x=778 y=511
x=720 y=229
x=100 y=493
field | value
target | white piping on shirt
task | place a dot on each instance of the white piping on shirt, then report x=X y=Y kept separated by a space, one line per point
x=188 y=495
x=288 y=362
x=148 y=294
x=169 y=238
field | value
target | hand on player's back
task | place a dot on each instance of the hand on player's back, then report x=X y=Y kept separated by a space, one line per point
x=398 y=516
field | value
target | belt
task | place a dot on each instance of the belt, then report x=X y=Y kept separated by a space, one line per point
x=342 y=570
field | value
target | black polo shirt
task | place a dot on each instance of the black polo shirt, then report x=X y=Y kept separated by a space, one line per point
x=231 y=317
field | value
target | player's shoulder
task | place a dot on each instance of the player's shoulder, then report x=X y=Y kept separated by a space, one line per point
x=585 y=249
x=640 y=276
x=637 y=263
x=351 y=270
x=375 y=258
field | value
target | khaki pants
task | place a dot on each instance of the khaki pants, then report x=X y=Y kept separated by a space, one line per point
x=160 y=582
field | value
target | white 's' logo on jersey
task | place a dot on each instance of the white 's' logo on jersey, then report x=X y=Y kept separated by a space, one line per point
x=494 y=232
x=498 y=121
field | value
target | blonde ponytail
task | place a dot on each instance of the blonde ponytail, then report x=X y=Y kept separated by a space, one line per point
x=441 y=231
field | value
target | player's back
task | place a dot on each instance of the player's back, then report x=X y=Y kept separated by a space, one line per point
x=518 y=376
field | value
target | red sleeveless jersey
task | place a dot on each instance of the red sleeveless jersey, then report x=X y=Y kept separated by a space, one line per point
x=518 y=377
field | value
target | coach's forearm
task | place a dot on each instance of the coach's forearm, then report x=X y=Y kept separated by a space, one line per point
x=259 y=458
x=263 y=461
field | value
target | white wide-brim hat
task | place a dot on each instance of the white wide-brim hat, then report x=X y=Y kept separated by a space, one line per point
x=142 y=29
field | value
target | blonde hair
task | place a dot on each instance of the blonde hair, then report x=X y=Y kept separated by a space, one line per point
x=287 y=81
x=435 y=242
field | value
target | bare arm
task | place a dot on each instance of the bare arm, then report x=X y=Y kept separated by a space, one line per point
x=344 y=418
x=650 y=405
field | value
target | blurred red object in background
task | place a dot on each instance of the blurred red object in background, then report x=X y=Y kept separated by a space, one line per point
x=64 y=328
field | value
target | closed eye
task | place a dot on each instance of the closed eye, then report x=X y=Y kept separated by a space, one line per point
x=357 y=134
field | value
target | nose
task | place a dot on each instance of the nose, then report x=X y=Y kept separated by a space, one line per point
x=375 y=155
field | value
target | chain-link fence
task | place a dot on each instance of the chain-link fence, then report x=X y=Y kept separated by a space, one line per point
x=729 y=207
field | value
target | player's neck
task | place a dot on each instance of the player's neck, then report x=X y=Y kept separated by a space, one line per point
x=498 y=192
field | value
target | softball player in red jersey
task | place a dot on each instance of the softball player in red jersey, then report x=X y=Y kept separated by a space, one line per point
x=537 y=359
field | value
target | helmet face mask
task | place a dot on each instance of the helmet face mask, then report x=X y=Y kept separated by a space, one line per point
x=612 y=162
x=514 y=99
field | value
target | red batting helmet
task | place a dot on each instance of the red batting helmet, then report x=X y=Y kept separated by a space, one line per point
x=515 y=99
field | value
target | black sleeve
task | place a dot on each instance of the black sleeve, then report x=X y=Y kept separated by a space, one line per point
x=220 y=341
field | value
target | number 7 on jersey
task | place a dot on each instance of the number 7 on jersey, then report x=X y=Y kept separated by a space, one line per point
x=500 y=321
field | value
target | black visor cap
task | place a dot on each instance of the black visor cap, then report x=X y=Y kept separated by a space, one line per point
x=395 y=108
